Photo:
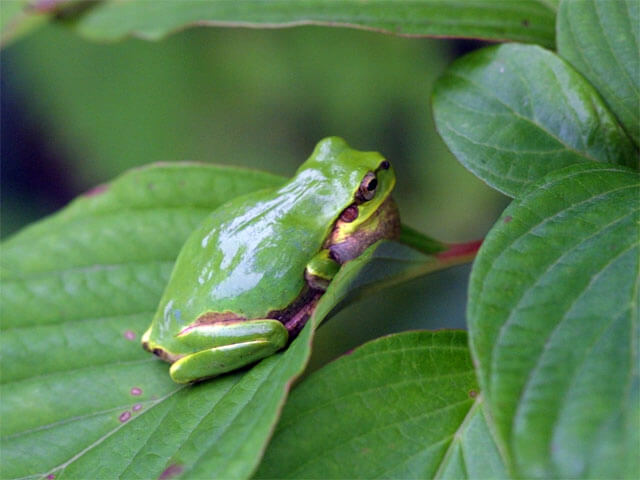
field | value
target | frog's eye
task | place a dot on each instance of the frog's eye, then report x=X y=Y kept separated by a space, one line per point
x=368 y=187
x=385 y=165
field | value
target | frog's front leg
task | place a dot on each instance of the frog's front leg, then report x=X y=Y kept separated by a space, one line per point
x=222 y=347
x=321 y=269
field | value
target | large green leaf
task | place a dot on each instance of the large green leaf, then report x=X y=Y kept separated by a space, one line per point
x=526 y=20
x=553 y=318
x=80 y=398
x=78 y=289
x=513 y=113
x=403 y=406
x=601 y=39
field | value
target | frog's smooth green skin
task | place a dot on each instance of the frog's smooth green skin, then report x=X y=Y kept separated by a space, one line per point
x=249 y=277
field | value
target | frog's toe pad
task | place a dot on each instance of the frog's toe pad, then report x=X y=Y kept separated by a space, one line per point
x=216 y=361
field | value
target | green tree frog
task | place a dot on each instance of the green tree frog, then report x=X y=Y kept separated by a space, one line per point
x=249 y=277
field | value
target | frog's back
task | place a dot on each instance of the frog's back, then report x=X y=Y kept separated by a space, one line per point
x=237 y=256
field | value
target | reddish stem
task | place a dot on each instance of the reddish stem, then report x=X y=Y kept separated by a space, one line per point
x=459 y=252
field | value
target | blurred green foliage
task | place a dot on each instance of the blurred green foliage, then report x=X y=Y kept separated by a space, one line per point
x=255 y=98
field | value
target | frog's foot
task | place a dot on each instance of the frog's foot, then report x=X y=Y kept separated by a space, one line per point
x=221 y=348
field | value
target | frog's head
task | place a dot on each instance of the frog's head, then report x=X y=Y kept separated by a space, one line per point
x=361 y=183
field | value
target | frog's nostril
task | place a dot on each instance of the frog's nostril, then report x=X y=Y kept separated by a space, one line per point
x=158 y=352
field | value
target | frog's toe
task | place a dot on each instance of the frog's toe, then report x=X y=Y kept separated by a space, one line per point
x=163 y=354
x=159 y=352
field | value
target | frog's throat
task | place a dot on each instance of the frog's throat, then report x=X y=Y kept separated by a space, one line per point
x=384 y=223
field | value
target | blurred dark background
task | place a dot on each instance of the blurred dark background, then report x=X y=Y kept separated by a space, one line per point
x=76 y=113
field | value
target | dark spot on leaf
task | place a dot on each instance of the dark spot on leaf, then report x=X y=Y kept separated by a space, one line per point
x=136 y=391
x=137 y=407
x=170 y=471
x=130 y=335
x=473 y=393
x=97 y=190
x=124 y=416
x=507 y=219
x=525 y=23
x=150 y=186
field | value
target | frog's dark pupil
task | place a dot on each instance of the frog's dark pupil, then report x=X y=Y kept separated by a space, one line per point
x=372 y=185
x=384 y=165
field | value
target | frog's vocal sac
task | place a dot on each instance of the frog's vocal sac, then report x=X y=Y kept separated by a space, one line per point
x=249 y=277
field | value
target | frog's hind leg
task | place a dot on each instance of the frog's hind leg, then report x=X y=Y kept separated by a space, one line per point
x=221 y=348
